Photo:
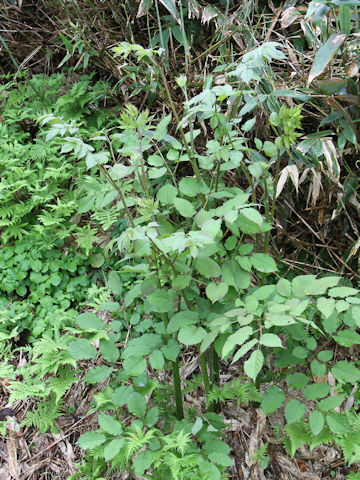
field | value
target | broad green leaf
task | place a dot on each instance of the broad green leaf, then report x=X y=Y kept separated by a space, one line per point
x=216 y=291
x=98 y=374
x=81 y=349
x=208 y=340
x=184 y=207
x=331 y=402
x=347 y=338
x=244 y=349
x=316 y=390
x=297 y=380
x=272 y=399
x=171 y=350
x=207 y=267
x=97 y=260
x=181 y=319
x=270 y=340
x=161 y=129
x=189 y=186
x=317 y=421
x=325 y=355
x=89 y=321
x=250 y=221
x=166 y=194
x=299 y=284
x=156 y=360
x=283 y=287
x=345 y=371
x=110 y=424
x=134 y=366
x=91 y=440
x=325 y=54
x=326 y=306
x=143 y=460
x=121 y=394
x=161 y=301
x=233 y=275
x=317 y=369
x=180 y=282
x=113 y=448
x=294 y=410
x=114 y=283
x=338 y=423
x=318 y=286
x=136 y=404
x=109 y=350
x=152 y=416
x=191 y=335
x=221 y=459
x=141 y=346
x=237 y=338
x=262 y=262
x=343 y=292
x=254 y=364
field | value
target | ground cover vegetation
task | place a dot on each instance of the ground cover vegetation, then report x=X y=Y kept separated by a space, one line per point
x=179 y=240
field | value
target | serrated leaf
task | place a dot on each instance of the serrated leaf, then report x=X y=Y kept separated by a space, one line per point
x=142 y=462
x=91 y=440
x=134 y=366
x=316 y=421
x=244 y=349
x=191 y=335
x=97 y=374
x=156 y=360
x=294 y=411
x=345 y=371
x=318 y=286
x=166 y=194
x=270 y=340
x=316 y=390
x=136 y=404
x=272 y=399
x=207 y=267
x=184 y=207
x=109 y=350
x=331 y=402
x=326 y=306
x=114 y=283
x=233 y=275
x=347 y=338
x=262 y=262
x=160 y=301
x=110 y=424
x=113 y=448
x=89 y=321
x=237 y=338
x=216 y=291
x=254 y=364
x=337 y=423
x=343 y=292
x=81 y=349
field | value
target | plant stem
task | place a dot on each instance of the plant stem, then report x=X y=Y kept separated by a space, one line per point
x=272 y=212
x=177 y=388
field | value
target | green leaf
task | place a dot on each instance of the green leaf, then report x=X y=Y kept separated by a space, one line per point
x=181 y=319
x=98 y=374
x=134 y=366
x=152 y=416
x=207 y=267
x=180 y=282
x=347 y=338
x=317 y=369
x=114 y=283
x=156 y=360
x=233 y=275
x=160 y=301
x=325 y=54
x=110 y=424
x=283 y=287
x=216 y=291
x=91 y=440
x=142 y=462
x=97 y=260
x=250 y=221
x=191 y=335
x=294 y=411
x=263 y=263
x=318 y=286
x=325 y=355
x=317 y=421
x=208 y=340
x=220 y=459
x=136 y=404
x=189 y=186
x=270 y=340
x=316 y=390
x=272 y=399
x=113 y=448
x=244 y=349
x=237 y=338
x=331 y=402
x=343 y=292
x=109 y=350
x=166 y=194
x=254 y=364
x=82 y=349
x=89 y=321
x=184 y=207
x=171 y=350
x=345 y=371
x=326 y=306
x=338 y=423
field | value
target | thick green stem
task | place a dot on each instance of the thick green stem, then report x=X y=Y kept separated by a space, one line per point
x=204 y=373
x=177 y=388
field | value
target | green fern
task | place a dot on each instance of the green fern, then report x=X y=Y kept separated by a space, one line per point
x=43 y=418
